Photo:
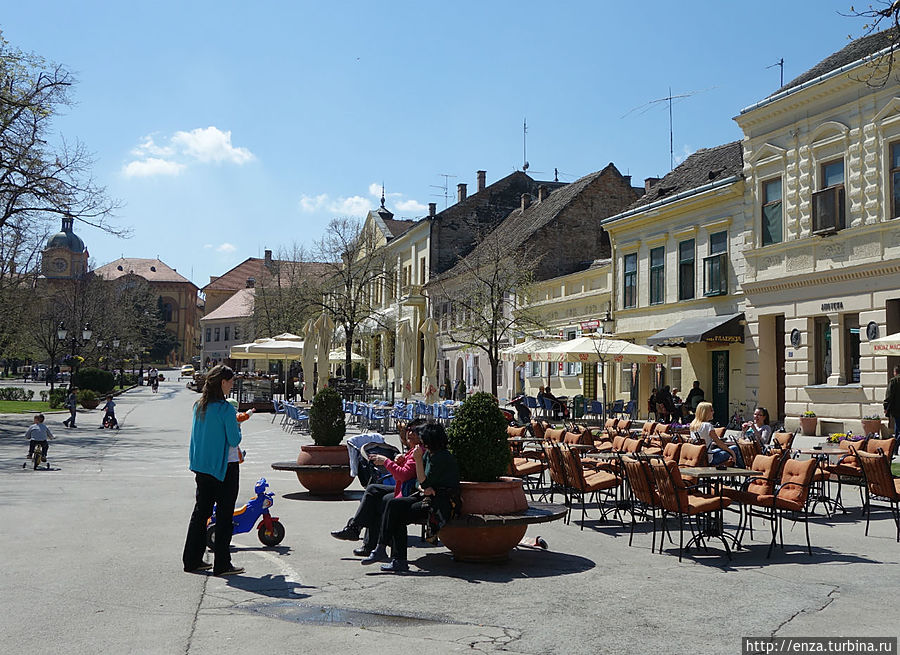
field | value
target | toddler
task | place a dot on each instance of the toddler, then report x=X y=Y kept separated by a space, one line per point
x=37 y=435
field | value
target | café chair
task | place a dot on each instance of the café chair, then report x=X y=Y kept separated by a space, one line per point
x=791 y=495
x=645 y=498
x=881 y=483
x=581 y=482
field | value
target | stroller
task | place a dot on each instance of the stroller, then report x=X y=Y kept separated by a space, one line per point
x=367 y=472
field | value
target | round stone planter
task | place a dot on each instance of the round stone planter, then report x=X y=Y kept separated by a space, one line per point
x=324 y=470
x=808 y=425
x=872 y=426
x=90 y=404
x=486 y=543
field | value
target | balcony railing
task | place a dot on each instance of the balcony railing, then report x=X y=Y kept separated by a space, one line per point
x=828 y=210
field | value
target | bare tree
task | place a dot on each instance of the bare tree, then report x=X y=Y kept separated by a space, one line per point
x=882 y=16
x=357 y=270
x=282 y=302
x=39 y=181
x=488 y=299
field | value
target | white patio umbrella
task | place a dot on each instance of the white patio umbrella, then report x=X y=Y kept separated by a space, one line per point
x=429 y=330
x=340 y=356
x=277 y=348
x=402 y=362
x=325 y=331
x=524 y=352
x=590 y=349
x=309 y=358
x=889 y=345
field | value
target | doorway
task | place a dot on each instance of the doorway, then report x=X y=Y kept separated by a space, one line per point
x=779 y=368
x=720 y=386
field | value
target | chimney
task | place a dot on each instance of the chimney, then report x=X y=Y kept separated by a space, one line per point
x=481 y=179
x=526 y=201
x=460 y=192
x=649 y=182
x=432 y=209
x=268 y=258
x=251 y=282
x=543 y=192
x=627 y=179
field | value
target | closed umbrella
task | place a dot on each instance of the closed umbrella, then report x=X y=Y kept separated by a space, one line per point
x=309 y=358
x=402 y=363
x=429 y=330
x=325 y=331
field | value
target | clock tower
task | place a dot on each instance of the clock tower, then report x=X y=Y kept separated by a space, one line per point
x=65 y=256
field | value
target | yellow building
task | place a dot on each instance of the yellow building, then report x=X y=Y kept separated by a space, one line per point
x=677 y=272
x=823 y=244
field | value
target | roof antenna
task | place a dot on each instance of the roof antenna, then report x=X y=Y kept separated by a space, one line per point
x=555 y=174
x=445 y=187
x=780 y=64
x=524 y=144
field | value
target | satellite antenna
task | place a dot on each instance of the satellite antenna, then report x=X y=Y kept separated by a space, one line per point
x=669 y=98
x=445 y=187
x=780 y=64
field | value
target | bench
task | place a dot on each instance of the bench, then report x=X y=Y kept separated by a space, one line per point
x=319 y=479
x=536 y=513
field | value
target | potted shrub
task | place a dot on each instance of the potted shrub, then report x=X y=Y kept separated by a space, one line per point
x=872 y=424
x=808 y=423
x=477 y=438
x=88 y=399
x=324 y=468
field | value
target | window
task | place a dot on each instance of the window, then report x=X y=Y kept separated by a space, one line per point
x=535 y=370
x=822 y=350
x=657 y=275
x=227 y=332
x=237 y=332
x=208 y=335
x=851 y=348
x=675 y=372
x=715 y=267
x=626 y=379
x=895 y=179
x=475 y=372
x=686 y=270
x=499 y=374
x=218 y=333
x=771 y=212
x=828 y=204
x=167 y=312
x=629 y=281
x=571 y=368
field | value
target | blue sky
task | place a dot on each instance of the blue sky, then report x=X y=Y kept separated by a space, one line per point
x=227 y=128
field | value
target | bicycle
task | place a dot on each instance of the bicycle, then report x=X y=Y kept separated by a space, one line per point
x=737 y=419
x=38 y=457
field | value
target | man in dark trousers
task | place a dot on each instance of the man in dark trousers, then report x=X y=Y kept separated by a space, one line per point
x=892 y=401
x=695 y=392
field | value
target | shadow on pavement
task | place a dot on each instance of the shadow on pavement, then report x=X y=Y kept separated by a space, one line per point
x=273 y=586
x=522 y=564
x=305 y=495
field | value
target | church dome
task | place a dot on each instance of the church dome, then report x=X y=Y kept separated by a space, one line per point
x=66 y=238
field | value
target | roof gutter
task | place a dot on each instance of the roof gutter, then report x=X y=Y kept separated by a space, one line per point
x=679 y=196
x=817 y=80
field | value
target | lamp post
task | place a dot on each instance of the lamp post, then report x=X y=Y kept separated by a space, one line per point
x=86 y=333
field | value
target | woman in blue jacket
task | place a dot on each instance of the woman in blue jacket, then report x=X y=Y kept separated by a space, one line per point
x=214 y=460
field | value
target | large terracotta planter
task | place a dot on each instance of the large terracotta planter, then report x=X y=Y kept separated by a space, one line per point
x=90 y=404
x=479 y=543
x=872 y=426
x=328 y=472
x=808 y=425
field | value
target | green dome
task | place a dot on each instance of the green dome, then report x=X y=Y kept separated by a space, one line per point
x=68 y=240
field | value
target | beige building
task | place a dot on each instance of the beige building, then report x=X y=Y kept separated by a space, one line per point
x=823 y=244
x=227 y=325
x=677 y=273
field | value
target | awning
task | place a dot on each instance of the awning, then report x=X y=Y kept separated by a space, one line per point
x=712 y=329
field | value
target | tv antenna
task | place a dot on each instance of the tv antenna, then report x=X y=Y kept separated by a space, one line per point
x=643 y=109
x=780 y=64
x=524 y=145
x=445 y=187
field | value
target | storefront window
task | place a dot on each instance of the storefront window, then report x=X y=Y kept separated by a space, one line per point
x=675 y=372
x=851 y=348
x=822 y=350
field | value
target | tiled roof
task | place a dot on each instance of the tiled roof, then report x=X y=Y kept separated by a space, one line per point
x=255 y=267
x=152 y=270
x=851 y=53
x=705 y=166
x=239 y=305
x=398 y=227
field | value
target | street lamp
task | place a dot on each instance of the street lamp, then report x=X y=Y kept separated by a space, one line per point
x=86 y=333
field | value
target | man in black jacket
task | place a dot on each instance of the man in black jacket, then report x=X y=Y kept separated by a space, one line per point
x=892 y=401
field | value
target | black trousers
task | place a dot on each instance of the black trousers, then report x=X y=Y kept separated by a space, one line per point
x=398 y=513
x=71 y=420
x=370 y=512
x=32 y=446
x=224 y=495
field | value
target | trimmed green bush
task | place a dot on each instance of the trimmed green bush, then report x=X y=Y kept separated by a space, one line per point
x=326 y=418
x=477 y=438
x=57 y=398
x=95 y=379
x=87 y=397
x=16 y=393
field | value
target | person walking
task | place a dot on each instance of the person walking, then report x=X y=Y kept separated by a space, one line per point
x=214 y=459
x=71 y=404
x=892 y=401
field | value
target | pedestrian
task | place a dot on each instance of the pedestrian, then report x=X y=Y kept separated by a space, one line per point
x=71 y=403
x=214 y=459
x=37 y=435
x=892 y=401
x=154 y=379
x=695 y=396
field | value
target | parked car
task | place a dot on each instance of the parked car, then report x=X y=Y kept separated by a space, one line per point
x=187 y=371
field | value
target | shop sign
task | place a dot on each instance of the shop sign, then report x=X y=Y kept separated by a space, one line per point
x=832 y=306
x=590 y=325
x=724 y=338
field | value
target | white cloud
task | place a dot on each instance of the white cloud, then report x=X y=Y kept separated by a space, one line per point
x=351 y=206
x=211 y=145
x=207 y=246
x=204 y=145
x=375 y=190
x=409 y=205
x=152 y=166
x=226 y=248
x=686 y=151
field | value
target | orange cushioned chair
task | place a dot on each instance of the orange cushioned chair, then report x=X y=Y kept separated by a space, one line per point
x=645 y=498
x=676 y=499
x=880 y=482
x=792 y=496
x=583 y=483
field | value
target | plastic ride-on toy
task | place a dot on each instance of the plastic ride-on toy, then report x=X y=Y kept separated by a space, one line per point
x=270 y=530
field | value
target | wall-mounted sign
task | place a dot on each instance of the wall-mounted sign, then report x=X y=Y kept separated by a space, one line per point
x=832 y=306
x=724 y=338
x=872 y=330
x=795 y=338
x=590 y=325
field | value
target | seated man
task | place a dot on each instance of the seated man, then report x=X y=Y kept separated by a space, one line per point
x=559 y=407
x=371 y=507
